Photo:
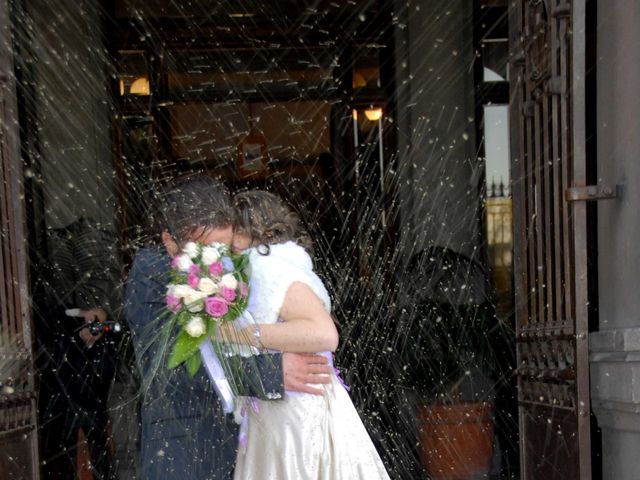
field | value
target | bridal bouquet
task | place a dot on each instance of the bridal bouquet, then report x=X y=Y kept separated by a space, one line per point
x=209 y=286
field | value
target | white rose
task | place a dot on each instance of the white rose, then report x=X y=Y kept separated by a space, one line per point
x=192 y=300
x=221 y=247
x=229 y=281
x=195 y=327
x=195 y=307
x=183 y=262
x=180 y=291
x=191 y=249
x=207 y=286
x=210 y=255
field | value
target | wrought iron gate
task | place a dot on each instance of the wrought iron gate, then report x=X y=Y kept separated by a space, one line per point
x=548 y=144
x=18 y=437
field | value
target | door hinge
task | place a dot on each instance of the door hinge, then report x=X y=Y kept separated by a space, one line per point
x=593 y=192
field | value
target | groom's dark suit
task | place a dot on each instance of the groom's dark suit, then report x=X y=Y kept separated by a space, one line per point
x=184 y=434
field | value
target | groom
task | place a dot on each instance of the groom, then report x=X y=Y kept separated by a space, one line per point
x=184 y=433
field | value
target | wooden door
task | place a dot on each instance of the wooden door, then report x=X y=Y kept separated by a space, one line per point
x=549 y=158
x=18 y=436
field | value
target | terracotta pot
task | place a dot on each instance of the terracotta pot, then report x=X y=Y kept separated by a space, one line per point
x=456 y=440
x=83 y=458
x=83 y=454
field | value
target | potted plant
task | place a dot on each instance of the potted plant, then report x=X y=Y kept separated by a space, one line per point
x=450 y=344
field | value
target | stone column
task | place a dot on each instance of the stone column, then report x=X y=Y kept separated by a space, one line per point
x=615 y=349
x=438 y=168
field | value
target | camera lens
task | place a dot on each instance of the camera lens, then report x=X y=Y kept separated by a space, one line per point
x=95 y=328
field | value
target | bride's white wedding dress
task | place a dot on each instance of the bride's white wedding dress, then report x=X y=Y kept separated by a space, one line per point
x=301 y=436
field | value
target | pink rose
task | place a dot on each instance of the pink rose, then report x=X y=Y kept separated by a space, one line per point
x=216 y=269
x=195 y=269
x=173 y=303
x=244 y=289
x=193 y=280
x=228 y=294
x=216 y=306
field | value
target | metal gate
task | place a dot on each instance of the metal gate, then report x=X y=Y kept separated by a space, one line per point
x=18 y=436
x=547 y=39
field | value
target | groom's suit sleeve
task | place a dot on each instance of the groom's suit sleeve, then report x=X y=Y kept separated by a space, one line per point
x=264 y=378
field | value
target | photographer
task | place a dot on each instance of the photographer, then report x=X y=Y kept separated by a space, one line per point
x=78 y=348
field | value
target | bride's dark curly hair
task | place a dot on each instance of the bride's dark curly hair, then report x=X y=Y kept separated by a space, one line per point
x=268 y=220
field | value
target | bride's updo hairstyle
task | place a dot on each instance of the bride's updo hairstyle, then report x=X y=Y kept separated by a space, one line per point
x=268 y=220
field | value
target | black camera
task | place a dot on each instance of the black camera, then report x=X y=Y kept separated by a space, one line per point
x=97 y=327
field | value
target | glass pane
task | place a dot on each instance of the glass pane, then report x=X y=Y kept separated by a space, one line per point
x=496 y=138
x=366 y=68
x=498 y=206
x=495 y=55
x=134 y=73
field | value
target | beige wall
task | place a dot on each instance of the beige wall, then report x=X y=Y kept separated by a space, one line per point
x=292 y=130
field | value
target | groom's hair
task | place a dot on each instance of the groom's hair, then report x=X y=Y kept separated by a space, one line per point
x=189 y=206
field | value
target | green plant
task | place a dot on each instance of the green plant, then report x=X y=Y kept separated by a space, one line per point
x=450 y=345
x=451 y=341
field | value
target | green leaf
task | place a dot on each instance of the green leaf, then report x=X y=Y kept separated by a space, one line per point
x=178 y=278
x=212 y=329
x=183 y=317
x=193 y=364
x=184 y=348
x=235 y=310
x=233 y=313
x=241 y=262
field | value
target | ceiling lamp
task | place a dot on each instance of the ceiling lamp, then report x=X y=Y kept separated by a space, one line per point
x=140 y=86
x=373 y=114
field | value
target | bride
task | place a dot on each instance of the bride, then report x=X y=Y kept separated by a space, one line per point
x=303 y=436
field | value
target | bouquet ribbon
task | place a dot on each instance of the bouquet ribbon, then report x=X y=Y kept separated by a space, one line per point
x=216 y=374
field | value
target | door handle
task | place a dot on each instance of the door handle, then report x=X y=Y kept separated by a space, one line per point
x=593 y=192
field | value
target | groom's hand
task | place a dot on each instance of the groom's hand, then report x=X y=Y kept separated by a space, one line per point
x=301 y=369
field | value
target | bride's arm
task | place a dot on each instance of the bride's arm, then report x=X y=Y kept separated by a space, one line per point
x=307 y=326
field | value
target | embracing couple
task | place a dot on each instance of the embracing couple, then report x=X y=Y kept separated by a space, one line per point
x=302 y=423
